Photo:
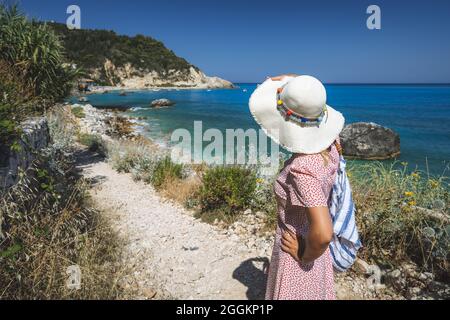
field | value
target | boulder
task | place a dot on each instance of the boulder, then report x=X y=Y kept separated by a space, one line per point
x=369 y=141
x=161 y=103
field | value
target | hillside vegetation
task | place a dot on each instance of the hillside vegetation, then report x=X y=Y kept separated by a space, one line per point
x=89 y=49
x=46 y=220
x=33 y=73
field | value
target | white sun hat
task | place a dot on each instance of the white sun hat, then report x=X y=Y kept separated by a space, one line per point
x=293 y=112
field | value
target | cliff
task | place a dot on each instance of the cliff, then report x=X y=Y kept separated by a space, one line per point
x=133 y=62
x=128 y=76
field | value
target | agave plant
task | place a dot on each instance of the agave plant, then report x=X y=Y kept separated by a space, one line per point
x=35 y=51
x=33 y=74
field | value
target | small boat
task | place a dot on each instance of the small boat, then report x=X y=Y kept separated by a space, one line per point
x=245 y=90
x=83 y=99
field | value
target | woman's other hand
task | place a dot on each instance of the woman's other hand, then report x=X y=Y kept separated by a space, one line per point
x=290 y=244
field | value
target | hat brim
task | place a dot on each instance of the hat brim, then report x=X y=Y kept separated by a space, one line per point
x=288 y=134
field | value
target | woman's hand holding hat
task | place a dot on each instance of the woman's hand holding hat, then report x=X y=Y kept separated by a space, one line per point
x=281 y=77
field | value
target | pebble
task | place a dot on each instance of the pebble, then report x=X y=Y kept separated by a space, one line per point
x=361 y=266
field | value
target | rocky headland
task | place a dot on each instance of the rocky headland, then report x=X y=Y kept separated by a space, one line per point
x=129 y=78
x=112 y=61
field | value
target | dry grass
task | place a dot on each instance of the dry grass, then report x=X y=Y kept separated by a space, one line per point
x=181 y=191
x=44 y=236
x=48 y=224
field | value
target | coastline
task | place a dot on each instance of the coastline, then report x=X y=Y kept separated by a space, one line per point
x=196 y=79
x=429 y=152
x=129 y=89
x=109 y=124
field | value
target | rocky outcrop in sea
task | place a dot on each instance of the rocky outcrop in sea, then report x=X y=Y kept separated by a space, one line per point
x=162 y=103
x=369 y=141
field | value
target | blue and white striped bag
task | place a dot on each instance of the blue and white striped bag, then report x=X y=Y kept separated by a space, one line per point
x=346 y=242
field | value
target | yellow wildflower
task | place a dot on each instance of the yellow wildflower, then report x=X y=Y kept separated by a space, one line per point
x=412 y=203
x=404 y=164
x=434 y=184
x=409 y=194
x=259 y=180
x=415 y=175
x=406 y=209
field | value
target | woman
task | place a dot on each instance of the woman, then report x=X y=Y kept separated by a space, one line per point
x=293 y=111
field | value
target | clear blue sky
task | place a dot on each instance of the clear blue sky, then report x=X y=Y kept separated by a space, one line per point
x=244 y=41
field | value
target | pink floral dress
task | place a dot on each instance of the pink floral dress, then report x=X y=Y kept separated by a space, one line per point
x=304 y=182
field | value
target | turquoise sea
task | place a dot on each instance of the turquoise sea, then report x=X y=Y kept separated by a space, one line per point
x=419 y=113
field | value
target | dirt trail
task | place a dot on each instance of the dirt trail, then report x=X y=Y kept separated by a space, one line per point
x=173 y=253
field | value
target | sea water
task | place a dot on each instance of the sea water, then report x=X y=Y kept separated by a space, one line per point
x=419 y=113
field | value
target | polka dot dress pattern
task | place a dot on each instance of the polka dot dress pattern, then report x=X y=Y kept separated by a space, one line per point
x=304 y=182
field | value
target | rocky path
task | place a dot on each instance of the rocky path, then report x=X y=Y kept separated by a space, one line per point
x=172 y=252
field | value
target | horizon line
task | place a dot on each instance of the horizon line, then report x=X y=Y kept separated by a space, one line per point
x=365 y=83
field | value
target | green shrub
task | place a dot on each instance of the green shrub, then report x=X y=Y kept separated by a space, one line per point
x=33 y=73
x=227 y=188
x=16 y=102
x=93 y=142
x=264 y=200
x=36 y=52
x=166 y=170
x=78 y=112
x=142 y=168
x=135 y=157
